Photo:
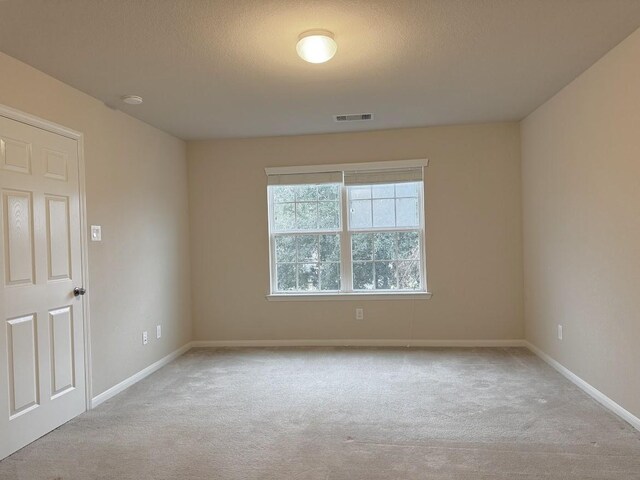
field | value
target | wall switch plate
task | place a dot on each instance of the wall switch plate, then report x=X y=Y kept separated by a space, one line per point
x=559 y=332
x=359 y=313
x=158 y=331
x=145 y=338
x=96 y=233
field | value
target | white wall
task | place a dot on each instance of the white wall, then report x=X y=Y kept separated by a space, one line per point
x=581 y=204
x=473 y=214
x=136 y=179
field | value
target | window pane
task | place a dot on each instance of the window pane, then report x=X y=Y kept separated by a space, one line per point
x=308 y=277
x=363 y=276
x=330 y=276
x=359 y=193
x=285 y=248
x=385 y=276
x=328 y=215
x=286 y=274
x=361 y=213
x=328 y=192
x=307 y=216
x=409 y=275
x=407 y=212
x=384 y=213
x=408 y=245
x=285 y=193
x=383 y=191
x=384 y=260
x=285 y=216
x=308 y=248
x=407 y=189
x=384 y=246
x=306 y=193
x=329 y=248
x=362 y=246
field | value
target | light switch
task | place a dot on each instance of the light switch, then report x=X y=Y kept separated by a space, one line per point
x=96 y=233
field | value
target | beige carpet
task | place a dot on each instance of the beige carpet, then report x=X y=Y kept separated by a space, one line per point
x=336 y=413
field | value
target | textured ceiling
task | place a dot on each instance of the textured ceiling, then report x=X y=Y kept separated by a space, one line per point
x=229 y=68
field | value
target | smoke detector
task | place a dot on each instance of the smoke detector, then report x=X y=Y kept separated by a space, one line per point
x=353 y=117
x=131 y=99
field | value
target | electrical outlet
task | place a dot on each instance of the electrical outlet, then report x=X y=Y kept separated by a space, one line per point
x=145 y=338
x=559 y=332
x=158 y=331
x=359 y=313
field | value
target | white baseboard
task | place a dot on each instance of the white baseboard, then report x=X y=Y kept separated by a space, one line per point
x=358 y=343
x=145 y=372
x=586 y=387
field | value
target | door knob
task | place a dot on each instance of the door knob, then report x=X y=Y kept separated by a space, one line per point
x=78 y=291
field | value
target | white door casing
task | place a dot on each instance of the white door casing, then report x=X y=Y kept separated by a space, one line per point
x=42 y=336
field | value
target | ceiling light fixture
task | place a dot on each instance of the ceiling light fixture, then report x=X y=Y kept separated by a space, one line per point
x=132 y=99
x=316 y=46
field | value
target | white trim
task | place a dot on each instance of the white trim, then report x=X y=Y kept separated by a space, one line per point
x=346 y=266
x=423 y=235
x=357 y=343
x=346 y=232
x=38 y=122
x=84 y=259
x=590 y=390
x=52 y=127
x=297 y=297
x=348 y=167
x=135 y=378
x=272 y=265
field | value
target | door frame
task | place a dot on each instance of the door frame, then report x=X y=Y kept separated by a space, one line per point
x=53 y=127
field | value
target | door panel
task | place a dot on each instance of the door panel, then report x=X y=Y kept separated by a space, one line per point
x=42 y=379
x=56 y=164
x=23 y=364
x=18 y=237
x=61 y=327
x=15 y=155
x=58 y=238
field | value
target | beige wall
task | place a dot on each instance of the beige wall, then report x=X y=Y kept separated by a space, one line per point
x=581 y=202
x=473 y=208
x=578 y=188
x=136 y=179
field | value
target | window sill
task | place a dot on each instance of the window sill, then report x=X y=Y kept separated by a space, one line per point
x=297 y=297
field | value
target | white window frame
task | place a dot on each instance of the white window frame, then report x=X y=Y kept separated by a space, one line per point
x=297 y=233
x=345 y=233
x=349 y=231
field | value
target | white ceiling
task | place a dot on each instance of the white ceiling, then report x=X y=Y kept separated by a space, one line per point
x=229 y=68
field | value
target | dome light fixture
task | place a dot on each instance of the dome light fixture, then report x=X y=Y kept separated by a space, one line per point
x=316 y=46
x=131 y=99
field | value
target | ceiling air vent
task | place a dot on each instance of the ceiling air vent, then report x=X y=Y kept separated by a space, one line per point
x=353 y=117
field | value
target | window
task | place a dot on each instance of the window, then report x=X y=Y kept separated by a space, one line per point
x=306 y=226
x=359 y=230
x=385 y=232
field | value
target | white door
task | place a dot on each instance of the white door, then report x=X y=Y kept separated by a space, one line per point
x=42 y=382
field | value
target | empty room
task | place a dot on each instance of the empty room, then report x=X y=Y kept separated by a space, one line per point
x=319 y=239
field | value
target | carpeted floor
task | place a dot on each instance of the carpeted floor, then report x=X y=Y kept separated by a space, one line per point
x=338 y=413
